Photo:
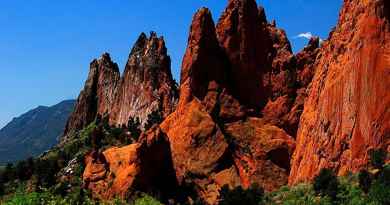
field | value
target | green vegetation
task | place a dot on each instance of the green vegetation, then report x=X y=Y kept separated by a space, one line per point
x=326 y=184
x=377 y=158
x=146 y=200
x=133 y=126
x=153 y=118
x=49 y=197
x=251 y=196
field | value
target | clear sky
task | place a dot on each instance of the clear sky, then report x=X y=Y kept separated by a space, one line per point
x=46 y=45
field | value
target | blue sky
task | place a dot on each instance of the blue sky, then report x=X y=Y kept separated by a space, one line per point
x=46 y=45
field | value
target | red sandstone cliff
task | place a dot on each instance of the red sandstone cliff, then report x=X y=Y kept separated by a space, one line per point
x=147 y=85
x=213 y=139
x=347 y=111
x=97 y=95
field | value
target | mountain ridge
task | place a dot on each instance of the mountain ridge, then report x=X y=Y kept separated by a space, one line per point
x=18 y=138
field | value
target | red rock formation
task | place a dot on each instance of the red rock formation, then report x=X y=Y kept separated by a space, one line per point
x=243 y=34
x=147 y=84
x=287 y=81
x=197 y=142
x=244 y=68
x=209 y=132
x=97 y=95
x=347 y=111
x=144 y=166
x=261 y=153
x=205 y=71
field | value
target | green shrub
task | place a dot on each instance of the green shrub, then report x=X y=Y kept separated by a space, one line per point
x=377 y=158
x=9 y=172
x=297 y=195
x=153 y=118
x=365 y=180
x=46 y=170
x=326 y=184
x=379 y=194
x=251 y=196
x=349 y=193
x=146 y=200
x=2 y=189
x=384 y=176
x=133 y=125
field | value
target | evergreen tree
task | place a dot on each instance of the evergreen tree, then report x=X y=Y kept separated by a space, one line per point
x=326 y=183
x=365 y=180
x=251 y=196
x=153 y=119
x=377 y=158
x=133 y=125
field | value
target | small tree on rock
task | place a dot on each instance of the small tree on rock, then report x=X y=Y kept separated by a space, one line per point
x=365 y=180
x=377 y=158
x=326 y=183
x=133 y=125
x=153 y=118
x=238 y=195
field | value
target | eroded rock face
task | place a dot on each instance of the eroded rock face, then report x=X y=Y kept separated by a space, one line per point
x=144 y=166
x=147 y=84
x=97 y=96
x=347 y=111
x=261 y=153
x=197 y=142
x=243 y=34
x=206 y=73
x=288 y=81
x=208 y=130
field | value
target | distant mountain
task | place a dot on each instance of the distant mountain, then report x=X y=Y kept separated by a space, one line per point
x=33 y=132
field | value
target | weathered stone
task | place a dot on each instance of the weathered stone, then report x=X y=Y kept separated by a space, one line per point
x=97 y=96
x=347 y=111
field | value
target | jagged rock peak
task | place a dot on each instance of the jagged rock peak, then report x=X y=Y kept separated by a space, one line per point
x=313 y=44
x=104 y=63
x=203 y=61
x=153 y=42
x=244 y=36
x=262 y=15
x=97 y=96
x=147 y=84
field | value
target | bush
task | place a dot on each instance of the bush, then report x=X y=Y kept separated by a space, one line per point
x=46 y=170
x=326 y=184
x=2 y=189
x=377 y=158
x=24 y=169
x=297 y=195
x=365 y=180
x=384 y=176
x=153 y=118
x=146 y=200
x=251 y=196
x=9 y=173
x=133 y=125
x=379 y=194
x=349 y=193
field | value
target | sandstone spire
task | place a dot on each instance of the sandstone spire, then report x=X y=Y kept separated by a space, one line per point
x=243 y=35
x=147 y=84
x=98 y=93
